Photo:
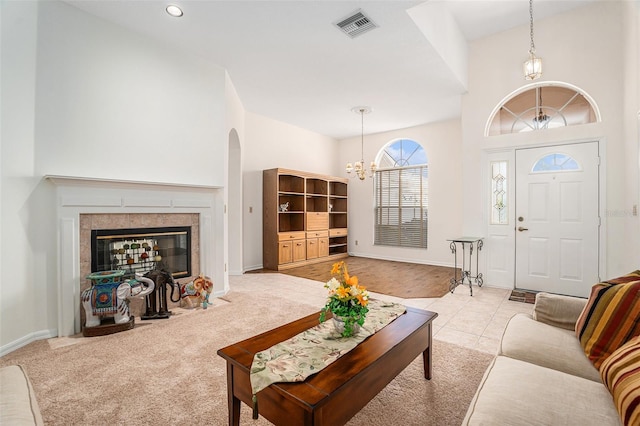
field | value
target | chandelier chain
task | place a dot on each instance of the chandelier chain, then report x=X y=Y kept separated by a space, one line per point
x=362 y=135
x=532 y=48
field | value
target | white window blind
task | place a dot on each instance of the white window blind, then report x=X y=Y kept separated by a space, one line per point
x=401 y=206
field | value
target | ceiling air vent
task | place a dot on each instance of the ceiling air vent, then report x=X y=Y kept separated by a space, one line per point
x=355 y=24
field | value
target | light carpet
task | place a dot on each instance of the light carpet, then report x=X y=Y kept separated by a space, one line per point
x=167 y=371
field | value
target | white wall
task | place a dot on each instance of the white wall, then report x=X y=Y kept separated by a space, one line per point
x=83 y=97
x=27 y=257
x=631 y=122
x=582 y=47
x=115 y=104
x=270 y=144
x=442 y=143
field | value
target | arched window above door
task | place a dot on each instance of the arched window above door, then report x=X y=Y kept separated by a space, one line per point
x=542 y=106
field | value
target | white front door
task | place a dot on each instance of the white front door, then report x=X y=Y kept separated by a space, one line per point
x=557 y=221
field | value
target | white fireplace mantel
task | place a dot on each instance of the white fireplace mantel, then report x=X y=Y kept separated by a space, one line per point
x=86 y=195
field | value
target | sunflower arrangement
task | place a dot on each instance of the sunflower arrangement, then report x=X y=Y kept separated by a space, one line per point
x=347 y=299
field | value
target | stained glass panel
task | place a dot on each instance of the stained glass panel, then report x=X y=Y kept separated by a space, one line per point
x=499 y=215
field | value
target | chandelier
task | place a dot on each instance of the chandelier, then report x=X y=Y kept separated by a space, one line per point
x=533 y=66
x=358 y=166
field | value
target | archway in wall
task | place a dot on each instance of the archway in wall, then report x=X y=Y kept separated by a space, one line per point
x=234 y=208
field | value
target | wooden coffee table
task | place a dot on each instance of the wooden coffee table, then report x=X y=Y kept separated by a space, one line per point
x=335 y=394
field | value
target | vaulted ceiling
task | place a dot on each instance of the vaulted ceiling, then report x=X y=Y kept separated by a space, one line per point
x=288 y=61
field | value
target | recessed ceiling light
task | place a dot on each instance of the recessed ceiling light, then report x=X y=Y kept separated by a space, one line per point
x=174 y=10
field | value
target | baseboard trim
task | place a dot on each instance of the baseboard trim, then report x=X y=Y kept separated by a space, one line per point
x=29 y=338
x=252 y=268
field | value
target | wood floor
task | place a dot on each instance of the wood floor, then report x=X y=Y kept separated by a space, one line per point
x=400 y=279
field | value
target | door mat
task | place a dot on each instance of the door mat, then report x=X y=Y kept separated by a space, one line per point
x=524 y=296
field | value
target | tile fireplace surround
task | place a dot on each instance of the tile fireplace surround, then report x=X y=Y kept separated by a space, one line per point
x=90 y=222
x=84 y=204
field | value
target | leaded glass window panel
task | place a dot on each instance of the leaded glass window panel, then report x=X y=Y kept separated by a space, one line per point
x=499 y=205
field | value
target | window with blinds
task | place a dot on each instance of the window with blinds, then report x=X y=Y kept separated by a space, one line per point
x=401 y=206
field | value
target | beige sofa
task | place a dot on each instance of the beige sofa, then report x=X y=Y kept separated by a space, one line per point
x=541 y=375
x=18 y=405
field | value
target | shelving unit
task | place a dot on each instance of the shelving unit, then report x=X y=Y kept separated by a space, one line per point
x=304 y=218
x=337 y=245
x=337 y=218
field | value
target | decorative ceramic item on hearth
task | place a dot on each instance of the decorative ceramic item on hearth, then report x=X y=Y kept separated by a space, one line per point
x=106 y=302
x=347 y=301
x=196 y=293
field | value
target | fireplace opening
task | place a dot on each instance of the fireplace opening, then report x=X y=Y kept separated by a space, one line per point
x=142 y=249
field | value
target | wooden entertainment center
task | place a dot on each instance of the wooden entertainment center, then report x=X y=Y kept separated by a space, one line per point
x=304 y=218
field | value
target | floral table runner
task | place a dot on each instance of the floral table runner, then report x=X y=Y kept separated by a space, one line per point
x=312 y=350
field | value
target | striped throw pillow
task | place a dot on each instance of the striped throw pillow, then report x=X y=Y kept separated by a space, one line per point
x=621 y=374
x=610 y=318
x=633 y=276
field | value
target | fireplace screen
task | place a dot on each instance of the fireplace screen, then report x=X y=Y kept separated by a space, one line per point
x=141 y=250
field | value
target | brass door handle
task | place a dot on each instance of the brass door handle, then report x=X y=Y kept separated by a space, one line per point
x=520 y=228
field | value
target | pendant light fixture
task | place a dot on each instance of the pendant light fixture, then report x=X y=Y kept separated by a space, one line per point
x=533 y=66
x=358 y=166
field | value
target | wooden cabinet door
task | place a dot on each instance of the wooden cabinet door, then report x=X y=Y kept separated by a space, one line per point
x=285 y=252
x=312 y=248
x=317 y=221
x=323 y=247
x=299 y=250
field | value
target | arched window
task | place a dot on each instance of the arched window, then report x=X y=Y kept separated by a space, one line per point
x=556 y=162
x=401 y=195
x=542 y=106
x=402 y=152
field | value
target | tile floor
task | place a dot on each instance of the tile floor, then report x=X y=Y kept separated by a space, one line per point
x=475 y=322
